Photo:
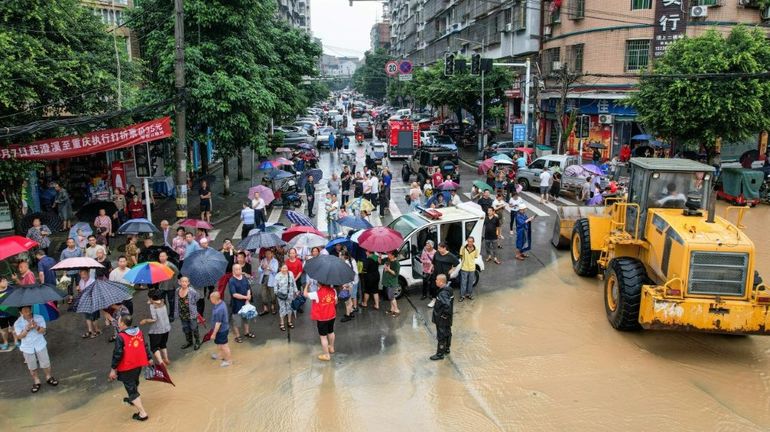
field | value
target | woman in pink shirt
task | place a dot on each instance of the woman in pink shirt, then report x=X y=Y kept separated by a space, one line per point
x=178 y=243
x=104 y=221
x=426 y=258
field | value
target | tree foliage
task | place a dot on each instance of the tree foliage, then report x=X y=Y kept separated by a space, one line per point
x=698 y=110
x=56 y=58
x=370 y=79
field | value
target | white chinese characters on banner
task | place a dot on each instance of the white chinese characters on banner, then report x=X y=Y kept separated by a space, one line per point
x=670 y=24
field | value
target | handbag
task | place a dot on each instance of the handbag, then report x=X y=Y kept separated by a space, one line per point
x=282 y=295
x=298 y=302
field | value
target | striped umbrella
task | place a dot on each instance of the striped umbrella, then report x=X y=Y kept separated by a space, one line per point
x=149 y=273
x=299 y=218
x=100 y=295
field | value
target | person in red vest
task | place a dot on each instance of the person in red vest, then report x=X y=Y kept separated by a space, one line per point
x=131 y=353
x=324 y=311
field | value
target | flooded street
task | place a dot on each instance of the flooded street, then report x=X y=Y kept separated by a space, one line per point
x=537 y=355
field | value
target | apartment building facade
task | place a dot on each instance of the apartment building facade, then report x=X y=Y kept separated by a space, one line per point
x=114 y=14
x=620 y=38
x=295 y=12
x=380 y=36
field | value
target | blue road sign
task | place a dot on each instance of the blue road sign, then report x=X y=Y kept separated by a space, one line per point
x=405 y=67
x=519 y=133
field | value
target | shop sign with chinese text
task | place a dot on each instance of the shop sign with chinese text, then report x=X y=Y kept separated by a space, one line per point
x=670 y=24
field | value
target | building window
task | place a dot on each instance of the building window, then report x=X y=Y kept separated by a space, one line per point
x=577 y=9
x=550 y=56
x=520 y=16
x=637 y=54
x=641 y=4
x=575 y=53
x=707 y=3
x=508 y=17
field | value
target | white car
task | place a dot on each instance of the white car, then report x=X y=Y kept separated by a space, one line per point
x=322 y=137
x=454 y=226
x=426 y=136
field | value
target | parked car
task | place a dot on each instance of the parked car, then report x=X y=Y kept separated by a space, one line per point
x=529 y=177
x=444 y=141
x=293 y=139
x=308 y=126
x=322 y=136
x=426 y=136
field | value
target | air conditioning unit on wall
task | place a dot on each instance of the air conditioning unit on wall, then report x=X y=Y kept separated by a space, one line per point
x=699 y=12
x=508 y=27
x=605 y=119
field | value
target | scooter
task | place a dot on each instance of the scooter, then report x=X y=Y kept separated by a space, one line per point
x=289 y=196
x=360 y=138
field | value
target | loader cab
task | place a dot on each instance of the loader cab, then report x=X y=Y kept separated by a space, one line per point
x=667 y=183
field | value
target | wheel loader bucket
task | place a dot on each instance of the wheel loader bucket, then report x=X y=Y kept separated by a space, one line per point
x=565 y=221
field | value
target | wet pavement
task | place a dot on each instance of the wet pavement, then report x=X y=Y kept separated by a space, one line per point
x=532 y=352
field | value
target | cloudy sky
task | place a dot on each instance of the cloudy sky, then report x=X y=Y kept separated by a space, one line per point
x=344 y=30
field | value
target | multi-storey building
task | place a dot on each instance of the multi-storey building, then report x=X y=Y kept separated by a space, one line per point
x=620 y=38
x=114 y=13
x=380 y=35
x=295 y=12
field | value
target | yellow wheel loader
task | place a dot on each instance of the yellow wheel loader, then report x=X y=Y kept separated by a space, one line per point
x=668 y=262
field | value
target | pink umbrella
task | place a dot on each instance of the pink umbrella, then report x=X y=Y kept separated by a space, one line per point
x=196 y=223
x=264 y=192
x=484 y=166
x=77 y=263
x=380 y=239
x=281 y=161
x=282 y=150
x=448 y=185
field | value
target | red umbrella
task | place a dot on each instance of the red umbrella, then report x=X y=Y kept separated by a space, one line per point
x=297 y=230
x=14 y=245
x=196 y=223
x=380 y=239
x=484 y=166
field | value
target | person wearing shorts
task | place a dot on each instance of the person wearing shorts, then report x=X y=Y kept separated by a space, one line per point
x=390 y=282
x=160 y=326
x=130 y=355
x=220 y=330
x=324 y=311
x=30 y=330
x=205 y=195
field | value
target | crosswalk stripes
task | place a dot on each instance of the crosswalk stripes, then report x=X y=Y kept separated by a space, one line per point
x=275 y=215
x=537 y=198
x=237 y=233
x=564 y=201
x=536 y=210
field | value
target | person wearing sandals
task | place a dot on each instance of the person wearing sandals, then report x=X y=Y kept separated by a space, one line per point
x=491 y=234
x=523 y=233
x=30 y=329
x=160 y=326
x=6 y=320
x=371 y=279
x=268 y=267
x=285 y=291
x=92 y=319
x=220 y=330
x=324 y=310
x=390 y=282
x=184 y=309
x=130 y=355
x=240 y=294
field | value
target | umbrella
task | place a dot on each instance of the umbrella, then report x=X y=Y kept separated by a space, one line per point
x=90 y=211
x=260 y=240
x=275 y=228
x=294 y=231
x=361 y=204
x=153 y=254
x=380 y=239
x=317 y=176
x=196 y=223
x=47 y=310
x=10 y=310
x=659 y=144
x=593 y=169
x=136 y=226
x=597 y=145
x=283 y=150
x=503 y=162
x=101 y=295
x=502 y=156
x=485 y=166
x=83 y=227
x=77 y=263
x=266 y=165
x=298 y=218
x=25 y=295
x=448 y=185
x=354 y=222
x=279 y=174
x=51 y=220
x=149 y=273
x=482 y=186
x=307 y=241
x=340 y=240
x=642 y=137
x=281 y=161
x=264 y=192
x=434 y=198
x=329 y=270
x=14 y=245
x=305 y=146
x=204 y=267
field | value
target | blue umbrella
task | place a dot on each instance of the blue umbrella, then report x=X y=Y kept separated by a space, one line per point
x=276 y=228
x=299 y=219
x=642 y=137
x=204 y=267
x=83 y=226
x=136 y=226
x=354 y=222
x=434 y=197
x=25 y=295
x=659 y=144
x=279 y=174
x=339 y=240
x=266 y=165
x=317 y=176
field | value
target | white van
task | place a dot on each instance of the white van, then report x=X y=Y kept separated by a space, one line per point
x=454 y=226
x=406 y=112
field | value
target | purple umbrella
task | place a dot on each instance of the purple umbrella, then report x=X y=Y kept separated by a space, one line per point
x=264 y=192
x=593 y=169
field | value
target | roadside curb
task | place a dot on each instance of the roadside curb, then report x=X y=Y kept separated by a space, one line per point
x=469 y=164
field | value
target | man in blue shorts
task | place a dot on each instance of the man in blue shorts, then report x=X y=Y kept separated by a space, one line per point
x=221 y=329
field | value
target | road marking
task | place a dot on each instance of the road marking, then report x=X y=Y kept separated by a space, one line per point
x=275 y=215
x=537 y=198
x=237 y=233
x=213 y=234
x=395 y=212
x=536 y=210
x=565 y=202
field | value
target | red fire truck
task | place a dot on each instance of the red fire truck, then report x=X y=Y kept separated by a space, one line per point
x=403 y=137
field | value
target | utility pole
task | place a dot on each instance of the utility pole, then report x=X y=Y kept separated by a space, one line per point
x=181 y=126
x=482 y=133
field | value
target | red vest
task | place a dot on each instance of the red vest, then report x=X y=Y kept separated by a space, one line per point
x=134 y=352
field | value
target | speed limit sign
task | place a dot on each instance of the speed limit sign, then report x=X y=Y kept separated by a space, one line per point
x=391 y=68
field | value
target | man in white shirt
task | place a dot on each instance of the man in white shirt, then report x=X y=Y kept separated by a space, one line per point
x=165 y=230
x=374 y=182
x=513 y=205
x=545 y=184
x=93 y=247
x=30 y=330
x=119 y=273
x=455 y=199
x=258 y=204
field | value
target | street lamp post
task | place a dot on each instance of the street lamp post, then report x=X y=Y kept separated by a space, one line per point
x=528 y=82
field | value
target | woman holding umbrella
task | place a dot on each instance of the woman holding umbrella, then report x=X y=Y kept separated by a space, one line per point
x=285 y=291
x=371 y=275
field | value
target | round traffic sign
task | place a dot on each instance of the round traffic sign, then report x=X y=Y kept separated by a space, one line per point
x=391 y=68
x=405 y=67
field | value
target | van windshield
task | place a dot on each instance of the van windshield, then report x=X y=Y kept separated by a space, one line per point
x=406 y=224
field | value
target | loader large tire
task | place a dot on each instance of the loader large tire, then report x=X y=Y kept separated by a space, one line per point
x=623 y=293
x=583 y=259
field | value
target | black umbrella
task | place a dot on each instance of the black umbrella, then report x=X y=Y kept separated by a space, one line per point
x=101 y=295
x=153 y=252
x=329 y=270
x=204 y=267
x=90 y=211
x=51 y=219
x=597 y=145
x=27 y=295
x=260 y=240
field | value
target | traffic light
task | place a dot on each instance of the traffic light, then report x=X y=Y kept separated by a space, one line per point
x=449 y=65
x=486 y=65
x=476 y=64
x=460 y=66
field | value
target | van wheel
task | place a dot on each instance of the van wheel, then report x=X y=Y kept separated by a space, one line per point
x=524 y=184
x=623 y=293
x=402 y=288
x=583 y=259
x=476 y=275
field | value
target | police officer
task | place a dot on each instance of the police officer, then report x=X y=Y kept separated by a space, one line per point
x=442 y=317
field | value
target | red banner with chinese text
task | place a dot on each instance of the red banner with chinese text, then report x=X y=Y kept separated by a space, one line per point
x=90 y=143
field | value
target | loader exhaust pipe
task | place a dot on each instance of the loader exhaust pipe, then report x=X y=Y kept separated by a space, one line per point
x=712 y=208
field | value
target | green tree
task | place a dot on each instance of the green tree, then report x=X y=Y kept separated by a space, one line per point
x=315 y=91
x=370 y=79
x=696 y=110
x=56 y=58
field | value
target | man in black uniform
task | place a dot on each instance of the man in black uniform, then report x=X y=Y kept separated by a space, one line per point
x=442 y=317
x=310 y=195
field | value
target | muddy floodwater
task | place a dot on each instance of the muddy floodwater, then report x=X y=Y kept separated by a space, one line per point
x=537 y=355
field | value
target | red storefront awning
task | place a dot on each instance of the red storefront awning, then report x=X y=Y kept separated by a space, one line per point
x=90 y=143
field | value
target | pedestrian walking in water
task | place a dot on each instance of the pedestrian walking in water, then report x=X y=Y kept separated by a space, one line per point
x=390 y=282
x=285 y=292
x=160 y=326
x=130 y=355
x=240 y=294
x=491 y=234
x=523 y=233
x=30 y=330
x=221 y=329
x=185 y=310
x=323 y=310
x=442 y=317
x=468 y=255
